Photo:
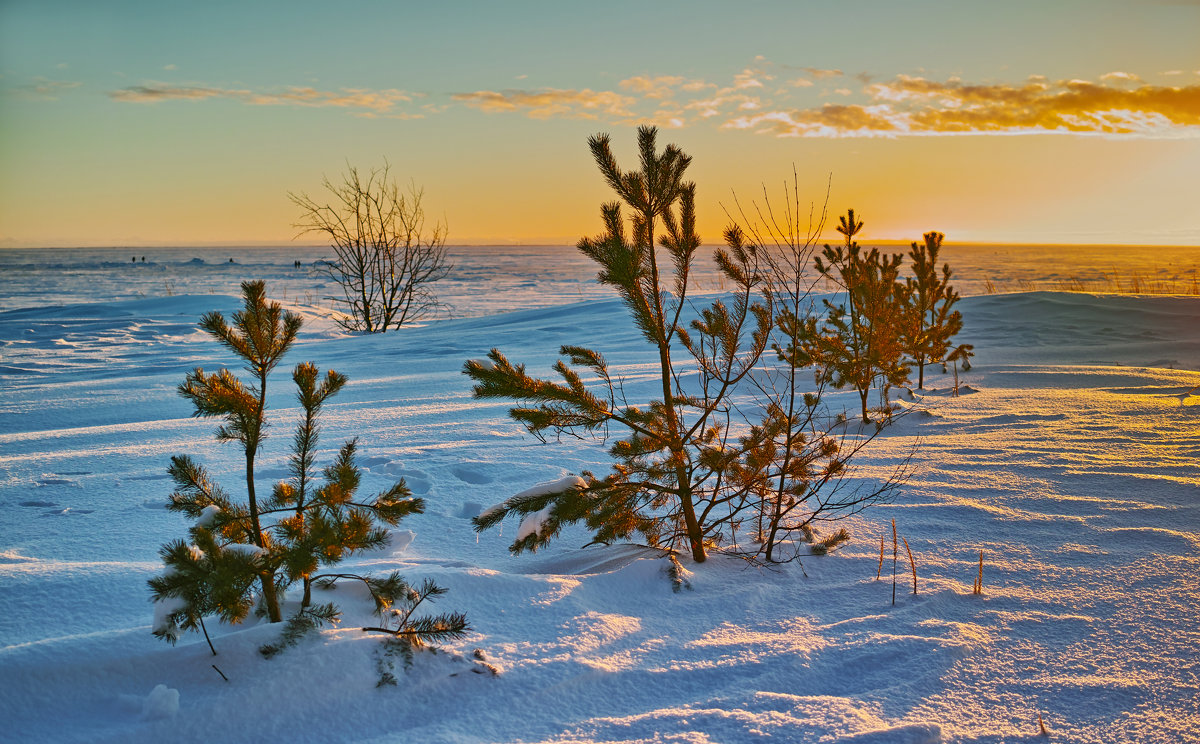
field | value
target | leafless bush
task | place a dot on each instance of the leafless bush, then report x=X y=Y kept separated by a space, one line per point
x=386 y=255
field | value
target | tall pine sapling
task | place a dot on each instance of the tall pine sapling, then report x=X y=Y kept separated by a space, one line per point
x=300 y=527
x=861 y=343
x=931 y=298
x=666 y=484
x=260 y=335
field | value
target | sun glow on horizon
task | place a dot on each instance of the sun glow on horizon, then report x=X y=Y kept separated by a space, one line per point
x=199 y=137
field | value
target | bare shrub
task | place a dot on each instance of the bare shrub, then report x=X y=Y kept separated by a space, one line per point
x=386 y=255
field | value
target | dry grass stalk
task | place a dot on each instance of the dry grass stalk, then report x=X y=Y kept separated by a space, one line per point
x=895 y=555
x=911 y=563
x=879 y=571
x=978 y=589
x=1042 y=726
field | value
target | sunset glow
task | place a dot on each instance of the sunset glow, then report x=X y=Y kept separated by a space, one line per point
x=130 y=123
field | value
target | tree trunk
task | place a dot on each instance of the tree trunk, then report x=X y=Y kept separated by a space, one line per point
x=682 y=481
x=267 y=579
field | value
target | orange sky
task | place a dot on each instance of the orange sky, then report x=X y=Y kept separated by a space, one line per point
x=130 y=123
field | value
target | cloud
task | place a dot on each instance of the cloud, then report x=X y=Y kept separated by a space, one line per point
x=358 y=98
x=46 y=90
x=170 y=67
x=378 y=101
x=1126 y=76
x=661 y=86
x=917 y=106
x=154 y=93
x=749 y=79
x=548 y=102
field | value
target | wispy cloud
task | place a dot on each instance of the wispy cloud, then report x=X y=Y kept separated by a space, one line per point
x=917 y=106
x=1124 y=76
x=661 y=86
x=154 y=93
x=550 y=102
x=376 y=101
x=44 y=89
x=776 y=99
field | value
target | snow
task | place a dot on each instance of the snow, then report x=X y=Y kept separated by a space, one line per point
x=162 y=702
x=208 y=515
x=1073 y=464
x=250 y=551
x=163 y=609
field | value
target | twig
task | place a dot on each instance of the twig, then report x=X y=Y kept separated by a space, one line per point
x=214 y=666
x=210 y=646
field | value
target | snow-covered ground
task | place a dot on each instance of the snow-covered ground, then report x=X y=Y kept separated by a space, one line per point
x=1073 y=462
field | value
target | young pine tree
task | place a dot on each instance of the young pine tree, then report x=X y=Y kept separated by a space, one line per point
x=666 y=484
x=303 y=525
x=861 y=342
x=930 y=297
x=260 y=335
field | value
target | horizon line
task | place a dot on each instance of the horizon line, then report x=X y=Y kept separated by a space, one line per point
x=557 y=244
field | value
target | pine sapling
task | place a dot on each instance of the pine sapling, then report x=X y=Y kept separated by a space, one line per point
x=961 y=353
x=666 y=484
x=932 y=323
x=261 y=333
x=861 y=343
x=305 y=524
x=830 y=542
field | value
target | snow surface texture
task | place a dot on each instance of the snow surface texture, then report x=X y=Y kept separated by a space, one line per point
x=1072 y=461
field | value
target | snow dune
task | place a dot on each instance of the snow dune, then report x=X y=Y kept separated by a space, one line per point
x=1073 y=463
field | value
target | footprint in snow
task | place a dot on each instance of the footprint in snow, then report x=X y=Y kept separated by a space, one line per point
x=417 y=480
x=470 y=473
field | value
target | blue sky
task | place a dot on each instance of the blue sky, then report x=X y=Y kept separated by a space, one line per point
x=151 y=123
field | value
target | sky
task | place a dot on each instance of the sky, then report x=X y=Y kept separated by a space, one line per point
x=155 y=123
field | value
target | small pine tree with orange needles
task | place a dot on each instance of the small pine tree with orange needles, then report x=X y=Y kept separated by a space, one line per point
x=303 y=525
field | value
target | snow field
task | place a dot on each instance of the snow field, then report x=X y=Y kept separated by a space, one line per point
x=1073 y=462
